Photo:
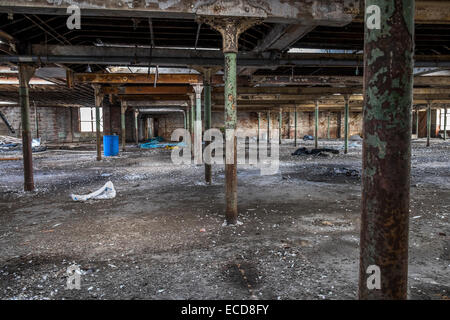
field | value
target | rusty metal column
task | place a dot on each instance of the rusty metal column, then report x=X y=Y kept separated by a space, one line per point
x=25 y=74
x=98 y=103
x=136 y=125
x=388 y=83
x=280 y=125
x=295 y=127
x=316 y=125
x=230 y=29
x=428 y=123
x=123 y=109
x=346 y=115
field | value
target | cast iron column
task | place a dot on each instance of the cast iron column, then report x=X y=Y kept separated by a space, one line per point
x=25 y=74
x=280 y=125
x=230 y=28
x=316 y=125
x=346 y=115
x=98 y=103
x=136 y=126
x=207 y=75
x=198 y=88
x=428 y=123
x=295 y=127
x=388 y=83
x=417 y=121
x=445 y=122
x=123 y=109
x=268 y=127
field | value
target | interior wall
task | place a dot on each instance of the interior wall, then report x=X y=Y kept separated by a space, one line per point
x=248 y=123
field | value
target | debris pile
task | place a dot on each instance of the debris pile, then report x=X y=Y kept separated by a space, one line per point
x=345 y=171
x=322 y=152
x=15 y=144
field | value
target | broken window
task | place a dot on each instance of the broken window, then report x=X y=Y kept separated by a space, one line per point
x=87 y=120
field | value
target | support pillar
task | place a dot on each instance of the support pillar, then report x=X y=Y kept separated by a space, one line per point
x=26 y=72
x=346 y=116
x=445 y=122
x=36 y=121
x=123 y=109
x=259 y=125
x=428 y=123
x=417 y=121
x=98 y=103
x=136 y=126
x=230 y=28
x=316 y=125
x=198 y=88
x=328 y=126
x=388 y=83
x=207 y=78
x=295 y=127
x=268 y=127
x=192 y=120
x=280 y=125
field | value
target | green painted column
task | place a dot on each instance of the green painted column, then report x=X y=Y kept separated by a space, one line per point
x=386 y=154
x=346 y=115
x=428 y=123
x=207 y=97
x=316 y=126
x=268 y=126
x=280 y=126
x=123 y=109
x=295 y=127
x=230 y=127
x=188 y=119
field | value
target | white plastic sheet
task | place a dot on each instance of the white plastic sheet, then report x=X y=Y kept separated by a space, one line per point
x=105 y=192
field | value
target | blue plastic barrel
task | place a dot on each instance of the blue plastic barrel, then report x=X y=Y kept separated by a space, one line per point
x=110 y=146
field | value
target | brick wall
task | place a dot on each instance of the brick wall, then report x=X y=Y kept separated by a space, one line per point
x=247 y=121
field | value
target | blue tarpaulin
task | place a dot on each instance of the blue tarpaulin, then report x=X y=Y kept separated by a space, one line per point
x=157 y=143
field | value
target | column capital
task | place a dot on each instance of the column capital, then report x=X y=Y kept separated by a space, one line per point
x=230 y=28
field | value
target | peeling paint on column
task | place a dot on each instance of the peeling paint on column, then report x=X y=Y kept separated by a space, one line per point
x=388 y=61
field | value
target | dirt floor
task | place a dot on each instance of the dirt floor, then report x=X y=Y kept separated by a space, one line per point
x=162 y=236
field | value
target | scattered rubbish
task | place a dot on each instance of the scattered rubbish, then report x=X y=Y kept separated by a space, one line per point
x=307 y=137
x=327 y=223
x=202 y=230
x=105 y=192
x=12 y=144
x=318 y=152
x=238 y=223
x=347 y=172
x=355 y=137
x=416 y=217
